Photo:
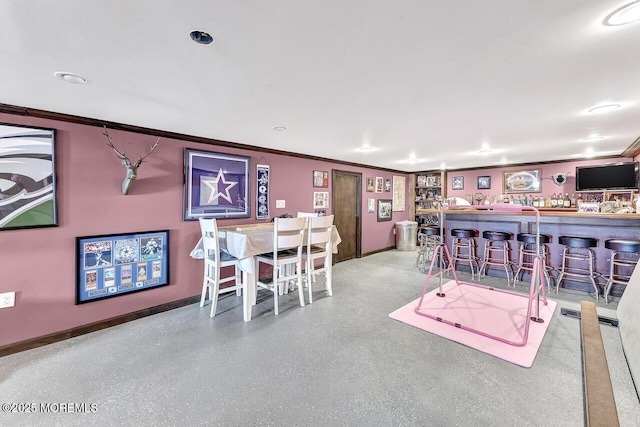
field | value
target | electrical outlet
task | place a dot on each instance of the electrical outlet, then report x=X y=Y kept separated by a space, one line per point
x=7 y=299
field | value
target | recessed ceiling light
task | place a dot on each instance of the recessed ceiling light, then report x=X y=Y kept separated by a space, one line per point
x=70 y=78
x=624 y=15
x=279 y=128
x=592 y=138
x=201 y=37
x=365 y=149
x=604 y=108
x=485 y=149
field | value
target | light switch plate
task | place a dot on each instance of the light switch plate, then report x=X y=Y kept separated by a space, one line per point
x=280 y=204
x=7 y=299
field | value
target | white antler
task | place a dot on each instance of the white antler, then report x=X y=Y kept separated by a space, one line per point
x=132 y=169
x=151 y=148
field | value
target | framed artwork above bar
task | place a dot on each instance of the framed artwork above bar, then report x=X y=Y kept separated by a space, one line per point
x=526 y=181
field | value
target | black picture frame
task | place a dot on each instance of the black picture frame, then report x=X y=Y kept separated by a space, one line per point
x=217 y=185
x=27 y=177
x=457 y=183
x=384 y=211
x=320 y=179
x=484 y=182
x=111 y=265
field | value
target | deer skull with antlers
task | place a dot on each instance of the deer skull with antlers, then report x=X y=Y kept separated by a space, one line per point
x=132 y=169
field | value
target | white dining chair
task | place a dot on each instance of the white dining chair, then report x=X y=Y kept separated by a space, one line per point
x=286 y=258
x=317 y=246
x=214 y=260
x=307 y=214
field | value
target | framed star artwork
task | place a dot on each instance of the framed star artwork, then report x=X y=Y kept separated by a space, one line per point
x=216 y=185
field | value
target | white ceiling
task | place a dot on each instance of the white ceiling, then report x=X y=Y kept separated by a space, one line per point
x=436 y=79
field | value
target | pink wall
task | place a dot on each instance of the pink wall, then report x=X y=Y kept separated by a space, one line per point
x=39 y=264
x=548 y=186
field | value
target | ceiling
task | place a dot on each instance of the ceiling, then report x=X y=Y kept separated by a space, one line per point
x=423 y=83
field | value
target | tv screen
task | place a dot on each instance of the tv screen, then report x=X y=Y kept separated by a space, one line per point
x=614 y=176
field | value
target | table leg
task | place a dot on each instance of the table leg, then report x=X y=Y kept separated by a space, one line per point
x=249 y=294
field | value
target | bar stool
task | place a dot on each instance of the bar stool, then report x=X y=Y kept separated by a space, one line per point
x=623 y=260
x=527 y=253
x=463 y=248
x=429 y=238
x=578 y=249
x=496 y=252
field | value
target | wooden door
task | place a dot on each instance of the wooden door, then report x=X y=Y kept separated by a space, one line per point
x=347 y=211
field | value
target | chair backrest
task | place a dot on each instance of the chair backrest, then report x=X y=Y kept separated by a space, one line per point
x=307 y=214
x=208 y=226
x=209 y=230
x=289 y=233
x=319 y=230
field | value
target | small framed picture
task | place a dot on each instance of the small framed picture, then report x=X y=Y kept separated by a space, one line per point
x=484 y=182
x=457 y=183
x=369 y=184
x=379 y=184
x=387 y=185
x=321 y=179
x=384 y=210
x=320 y=200
x=371 y=205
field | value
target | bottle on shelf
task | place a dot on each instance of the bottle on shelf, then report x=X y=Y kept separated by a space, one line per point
x=567 y=201
x=579 y=201
x=547 y=201
x=554 y=200
x=573 y=200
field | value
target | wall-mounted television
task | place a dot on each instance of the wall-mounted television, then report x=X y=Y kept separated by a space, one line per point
x=611 y=176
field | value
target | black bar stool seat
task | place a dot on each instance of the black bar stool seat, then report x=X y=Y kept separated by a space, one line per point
x=624 y=258
x=578 y=250
x=623 y=245
x=578 y=242
x=496 y=235
x=430 y=230
x=496 y=252
x=463 y=233
x=530 y=238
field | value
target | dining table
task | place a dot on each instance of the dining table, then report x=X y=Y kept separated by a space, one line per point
x=245 y=242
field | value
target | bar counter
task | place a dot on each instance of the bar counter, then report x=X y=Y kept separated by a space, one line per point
x=556 y=223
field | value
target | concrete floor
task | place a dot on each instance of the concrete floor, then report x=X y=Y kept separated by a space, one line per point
x=338 y=362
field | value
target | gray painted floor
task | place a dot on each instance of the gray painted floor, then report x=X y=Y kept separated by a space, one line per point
x=340 y=361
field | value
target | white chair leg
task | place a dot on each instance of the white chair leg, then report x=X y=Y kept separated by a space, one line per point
x=309 y=272
x=327 y=274
x=204 y=292
x=214 y=299
x=276 y=290
x=298 y=268
x=238 y=281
